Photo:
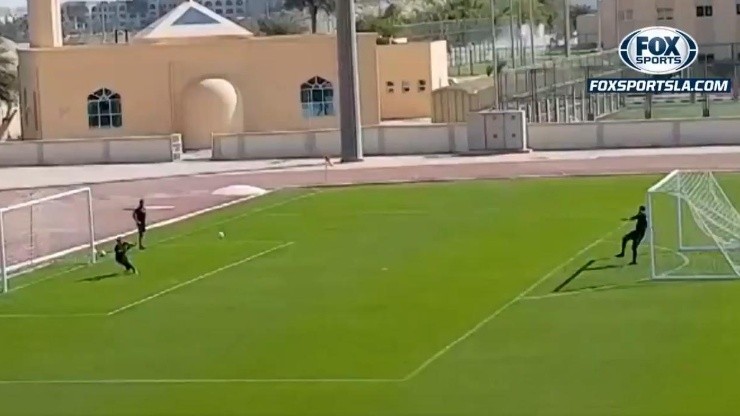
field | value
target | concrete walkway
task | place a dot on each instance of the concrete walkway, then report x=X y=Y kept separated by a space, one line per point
x=36 y=177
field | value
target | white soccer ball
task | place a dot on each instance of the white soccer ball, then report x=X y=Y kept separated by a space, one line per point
x=101 y=253
x=221 y=234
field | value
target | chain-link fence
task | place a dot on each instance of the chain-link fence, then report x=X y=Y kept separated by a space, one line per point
x=470 y=44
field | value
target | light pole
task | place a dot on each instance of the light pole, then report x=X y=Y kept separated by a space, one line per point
x=598 y=25
x=511 y=33
x=531 y=29
x=566 y=7
x=494 y=60
x=349 y=89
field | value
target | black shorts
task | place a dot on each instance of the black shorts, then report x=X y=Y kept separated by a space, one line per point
x=123 y=261
x=141 y=227
x=635 y=235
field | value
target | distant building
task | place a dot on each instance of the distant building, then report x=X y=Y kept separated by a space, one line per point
x=710 y=22
x=587 y=26
x=106 y=16
x=193 y=72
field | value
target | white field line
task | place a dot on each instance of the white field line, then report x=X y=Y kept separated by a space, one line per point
x=49 y=315
x=584 y=290
x=195 y=279
x=158 y=225
x=504 y=307
x=570 y=292
x=51 y=276
x=355 y=214
x=218 y=242
x=205 y=381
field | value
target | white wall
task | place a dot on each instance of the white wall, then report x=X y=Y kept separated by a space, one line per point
x=152 y=149
x=635 y=134
x=453 y=138
x=377 y=140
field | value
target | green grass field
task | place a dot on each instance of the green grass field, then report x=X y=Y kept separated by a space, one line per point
x=671 y=111
x=428 y=299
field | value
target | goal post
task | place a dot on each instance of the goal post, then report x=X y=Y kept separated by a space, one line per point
x=40 y=230
x=694 y=228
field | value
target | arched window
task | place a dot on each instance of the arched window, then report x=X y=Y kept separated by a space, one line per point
x=104 y=109
x=317 y=98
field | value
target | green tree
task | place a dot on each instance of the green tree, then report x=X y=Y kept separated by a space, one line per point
x=312 y=7
x=280 y=24
x=8 y=75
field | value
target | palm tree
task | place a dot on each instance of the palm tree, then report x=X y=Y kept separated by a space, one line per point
x=8 y=75
x=313 y=7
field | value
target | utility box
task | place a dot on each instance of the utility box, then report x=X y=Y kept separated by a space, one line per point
x=497 y=130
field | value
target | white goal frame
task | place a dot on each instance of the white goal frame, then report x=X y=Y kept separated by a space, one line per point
x=5 y=270
x=681 y=247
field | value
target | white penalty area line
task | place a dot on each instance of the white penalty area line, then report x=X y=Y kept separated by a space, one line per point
x=198 y=278
x=585 y=290
x=505 y=306
x=408 y=377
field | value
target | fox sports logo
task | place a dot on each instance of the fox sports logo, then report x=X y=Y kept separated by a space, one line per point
x=658 y=50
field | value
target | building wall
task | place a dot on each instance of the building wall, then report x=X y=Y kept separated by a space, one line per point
x=439 y=64
x=619 y=17
x=151 y=79
x=28 y=95
x=407 y=74
x=587 y=26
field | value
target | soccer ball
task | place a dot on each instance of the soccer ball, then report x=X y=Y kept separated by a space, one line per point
x=221 y=234
x=101 y=253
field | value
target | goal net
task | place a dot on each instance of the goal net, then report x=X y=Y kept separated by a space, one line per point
x=45 y=228
x=694 y=227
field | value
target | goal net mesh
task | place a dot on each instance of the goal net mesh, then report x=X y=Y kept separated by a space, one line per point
x=695 y=227
x=46 y=227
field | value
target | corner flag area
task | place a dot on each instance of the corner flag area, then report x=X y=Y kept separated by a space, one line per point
x=460 y=298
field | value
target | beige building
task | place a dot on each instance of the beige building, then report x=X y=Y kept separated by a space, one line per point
x=196 y=73
x=710 y=22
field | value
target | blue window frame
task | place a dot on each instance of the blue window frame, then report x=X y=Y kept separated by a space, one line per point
x=104 y=109
x=317 y=98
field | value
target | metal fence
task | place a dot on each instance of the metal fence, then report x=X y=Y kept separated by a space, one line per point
x=543 y=85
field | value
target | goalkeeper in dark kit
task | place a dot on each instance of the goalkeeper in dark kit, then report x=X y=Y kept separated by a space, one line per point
x=121 y=249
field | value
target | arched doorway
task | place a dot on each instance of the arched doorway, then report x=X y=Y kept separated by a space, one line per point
x=210 y=106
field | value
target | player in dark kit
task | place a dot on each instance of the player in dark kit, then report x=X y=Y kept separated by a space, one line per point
x=140 y=220
x=635 y=235
x=121 y=248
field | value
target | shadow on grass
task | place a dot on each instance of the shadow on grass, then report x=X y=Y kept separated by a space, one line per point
x=99 y=277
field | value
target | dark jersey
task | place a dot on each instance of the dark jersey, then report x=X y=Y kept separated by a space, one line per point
x=140 y=215
x=641 y=224
x=121 y=249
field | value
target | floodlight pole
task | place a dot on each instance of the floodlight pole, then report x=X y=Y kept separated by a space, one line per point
x=349 y=88
x=566 y=12
x=599 y=28
x=494 y=55
x=511 y=33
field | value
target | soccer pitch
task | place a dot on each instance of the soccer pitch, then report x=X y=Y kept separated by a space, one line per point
x=469 y=298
